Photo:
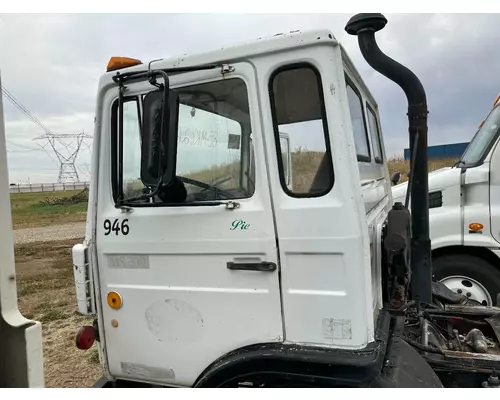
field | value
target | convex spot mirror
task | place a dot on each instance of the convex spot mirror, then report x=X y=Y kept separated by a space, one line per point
x=159 y=137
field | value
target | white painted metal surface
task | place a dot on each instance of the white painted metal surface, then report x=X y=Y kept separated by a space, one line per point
x=445 y=223
x=83 y=282
x=182 y=307
x=21 y=357
x=494 y=192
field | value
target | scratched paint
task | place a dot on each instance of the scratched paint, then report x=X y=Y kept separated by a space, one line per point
x=337 y=329
x=128 y=261
x=174 y=321
x=142 y=371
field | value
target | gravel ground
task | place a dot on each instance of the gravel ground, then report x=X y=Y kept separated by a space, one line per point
x=50 y=233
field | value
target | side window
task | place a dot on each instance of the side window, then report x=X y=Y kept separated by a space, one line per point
x=213 y=149
x=358 y=122
x=298 y=110
x=374 y=134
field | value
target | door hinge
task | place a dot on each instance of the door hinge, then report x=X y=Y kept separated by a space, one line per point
x=126 y=209
x=231 y=205
x=226 y=69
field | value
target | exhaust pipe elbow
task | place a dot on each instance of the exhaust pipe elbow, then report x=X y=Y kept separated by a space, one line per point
x=364 y=26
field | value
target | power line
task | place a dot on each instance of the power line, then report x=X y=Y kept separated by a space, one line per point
x=65 y=146
x=27 y=148
x=24 y=110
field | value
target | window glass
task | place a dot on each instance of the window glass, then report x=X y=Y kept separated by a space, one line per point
x=298 y=112
x=358 y=124
x=487 y=133
x=213 y=150
x=374 y=134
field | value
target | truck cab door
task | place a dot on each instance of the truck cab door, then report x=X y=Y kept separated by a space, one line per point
x=195 y=280
x=287 y=159
x=494 y=192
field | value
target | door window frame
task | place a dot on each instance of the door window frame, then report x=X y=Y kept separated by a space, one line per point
x=117 y=175
x=277 y=139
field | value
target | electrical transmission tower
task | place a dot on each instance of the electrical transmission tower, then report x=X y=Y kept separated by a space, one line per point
x=65 y=146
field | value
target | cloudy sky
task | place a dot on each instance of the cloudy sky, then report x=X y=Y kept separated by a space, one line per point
x=52 y=64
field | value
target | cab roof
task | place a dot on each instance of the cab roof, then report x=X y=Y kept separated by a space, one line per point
x=245 y=50
x=257 y=47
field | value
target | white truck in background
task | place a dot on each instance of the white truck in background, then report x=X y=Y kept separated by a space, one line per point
x=21 y=356
x=464 y=216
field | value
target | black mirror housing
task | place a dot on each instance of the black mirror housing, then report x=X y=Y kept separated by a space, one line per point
x=159 y=137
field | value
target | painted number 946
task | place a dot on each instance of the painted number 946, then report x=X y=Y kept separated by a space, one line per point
x=116 y=227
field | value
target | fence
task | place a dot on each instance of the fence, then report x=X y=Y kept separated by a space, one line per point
x=48 y=187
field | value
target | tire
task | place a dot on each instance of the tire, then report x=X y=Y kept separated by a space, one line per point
x=450 y=268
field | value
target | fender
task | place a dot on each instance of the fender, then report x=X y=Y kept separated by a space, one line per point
x=329 y=367
x=383 y=363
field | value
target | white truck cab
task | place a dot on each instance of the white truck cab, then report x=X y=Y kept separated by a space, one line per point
x=244 y=261
x=204 y=265
x=464 y=216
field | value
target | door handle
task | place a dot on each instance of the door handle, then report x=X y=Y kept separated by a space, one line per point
x=259 y=266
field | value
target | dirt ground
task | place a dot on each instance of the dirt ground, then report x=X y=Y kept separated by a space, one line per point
x=49 y=233
x=46 y=293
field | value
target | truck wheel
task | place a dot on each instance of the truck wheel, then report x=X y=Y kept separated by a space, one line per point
x=468 y=275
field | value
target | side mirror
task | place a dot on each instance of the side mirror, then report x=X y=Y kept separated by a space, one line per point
x=396 y=176
x=159 y=137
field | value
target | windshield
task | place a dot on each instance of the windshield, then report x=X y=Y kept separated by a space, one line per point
x=483 y=139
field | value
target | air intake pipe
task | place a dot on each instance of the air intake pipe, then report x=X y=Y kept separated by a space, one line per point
x=365 y=26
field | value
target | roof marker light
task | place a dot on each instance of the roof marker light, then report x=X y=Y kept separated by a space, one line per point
x=121 y=62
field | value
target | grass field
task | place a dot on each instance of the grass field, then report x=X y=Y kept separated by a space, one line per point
x=47 y=294
x=28 y=210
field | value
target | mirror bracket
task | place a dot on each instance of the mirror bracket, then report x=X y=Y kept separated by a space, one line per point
x=163 y=143
x=153 y=82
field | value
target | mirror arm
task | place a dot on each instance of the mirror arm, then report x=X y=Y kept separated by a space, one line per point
x=153 y=82
x=165 y=110
x=144 y=196
x=120 y=199
x=133 y=75
x=120 y=79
